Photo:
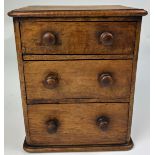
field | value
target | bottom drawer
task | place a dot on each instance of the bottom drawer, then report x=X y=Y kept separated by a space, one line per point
x=73 y=124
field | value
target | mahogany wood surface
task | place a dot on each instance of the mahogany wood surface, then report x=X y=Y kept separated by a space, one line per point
x=78 y=148
x=78 y=37
x=21 y=74
x=78 y=79
x=77 y=69
x=77 y=123
x=76 y=57
x=74 y=11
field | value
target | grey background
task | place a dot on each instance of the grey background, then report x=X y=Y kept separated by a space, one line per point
x=14 y=125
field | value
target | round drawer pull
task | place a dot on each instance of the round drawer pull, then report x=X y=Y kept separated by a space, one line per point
x=51 y=80
x=102 y=122
x=52 y=126
x=105 y=79
x=48 y=39
x=106 y=38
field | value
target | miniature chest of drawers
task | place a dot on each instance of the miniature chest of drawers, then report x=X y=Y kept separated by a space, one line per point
x=77 y=67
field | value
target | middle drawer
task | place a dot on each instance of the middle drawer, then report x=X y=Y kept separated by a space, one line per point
x=54 y=81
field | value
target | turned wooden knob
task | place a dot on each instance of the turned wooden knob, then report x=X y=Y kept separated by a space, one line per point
x=102 y=122
x=105 y=79
x=106 y=38
x=51 y=80
x=48 y=39
x=52 y=126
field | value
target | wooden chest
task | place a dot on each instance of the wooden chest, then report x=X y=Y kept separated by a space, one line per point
x=77 y=68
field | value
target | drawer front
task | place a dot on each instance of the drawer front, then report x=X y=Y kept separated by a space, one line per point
x=78 y=79
x=78 y=37
x=69 y=124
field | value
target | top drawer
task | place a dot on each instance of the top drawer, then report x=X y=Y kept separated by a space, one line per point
x=78 y=37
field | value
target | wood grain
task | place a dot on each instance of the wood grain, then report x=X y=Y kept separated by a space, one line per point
x=76 y=11
x=21 y=74
x=134 y=69
x=78 y=37
x=95 y=19
x=78 y=148
x=78 y=123
x=78 y=79
x=76 y=57
x=77 y=69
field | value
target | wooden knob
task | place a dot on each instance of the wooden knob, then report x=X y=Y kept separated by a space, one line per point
x=51 y=80
x=52 y=126
x=105 y=79
x=106 y=38
x=102 y=122
x=48 y=39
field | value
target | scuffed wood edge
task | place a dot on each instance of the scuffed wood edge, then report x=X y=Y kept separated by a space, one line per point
x=16 y=22
x=134 y=69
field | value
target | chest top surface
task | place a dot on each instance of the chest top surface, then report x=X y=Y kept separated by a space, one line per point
x=77 y=11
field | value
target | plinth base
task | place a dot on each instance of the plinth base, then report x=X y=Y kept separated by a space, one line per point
x=78 y=148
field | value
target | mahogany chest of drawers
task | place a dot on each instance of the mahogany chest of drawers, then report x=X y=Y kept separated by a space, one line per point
x=77 y=68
